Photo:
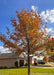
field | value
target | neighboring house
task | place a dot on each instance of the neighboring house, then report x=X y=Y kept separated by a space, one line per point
x=9 y=59
x=34 y=58
x=40 y=58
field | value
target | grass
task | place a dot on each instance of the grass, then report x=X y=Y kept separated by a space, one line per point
x=23 y=71
x=43 y=65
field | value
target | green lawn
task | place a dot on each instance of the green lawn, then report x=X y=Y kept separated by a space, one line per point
x=23 y=71
x=43 y=65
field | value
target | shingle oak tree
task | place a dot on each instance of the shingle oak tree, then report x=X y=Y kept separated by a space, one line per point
x=27 y=34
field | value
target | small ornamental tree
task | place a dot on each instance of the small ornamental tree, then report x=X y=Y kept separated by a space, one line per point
x=27 y=34
x=50 y=47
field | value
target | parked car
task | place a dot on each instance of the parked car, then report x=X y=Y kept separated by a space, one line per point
x=41 y=62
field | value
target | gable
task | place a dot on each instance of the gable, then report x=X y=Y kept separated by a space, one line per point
x=21 y=55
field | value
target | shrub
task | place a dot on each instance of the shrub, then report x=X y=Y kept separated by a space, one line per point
x=26 y=64
x=16 y=64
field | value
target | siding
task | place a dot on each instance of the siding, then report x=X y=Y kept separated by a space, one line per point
x=7 y=62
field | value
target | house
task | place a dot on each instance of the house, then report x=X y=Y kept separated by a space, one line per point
x=38 y=59
x=34 y=57
x=9 y=59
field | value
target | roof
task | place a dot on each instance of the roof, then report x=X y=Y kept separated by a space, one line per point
x=38 y=58
x=8 y=55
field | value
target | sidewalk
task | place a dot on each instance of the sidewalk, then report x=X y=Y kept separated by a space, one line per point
x=40 y=67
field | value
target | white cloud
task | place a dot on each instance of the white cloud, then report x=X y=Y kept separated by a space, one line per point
x=4 y=50
x=49 y=30
x=48 y=15
x=34 y=8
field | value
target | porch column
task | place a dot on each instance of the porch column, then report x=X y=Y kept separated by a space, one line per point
x=18 y=63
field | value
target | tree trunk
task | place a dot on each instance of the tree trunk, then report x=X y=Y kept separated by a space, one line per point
x=28 y=62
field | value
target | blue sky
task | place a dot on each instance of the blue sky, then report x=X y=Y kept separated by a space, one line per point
x=8 y=9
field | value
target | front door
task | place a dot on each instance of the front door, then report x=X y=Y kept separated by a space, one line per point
x=21 y=62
